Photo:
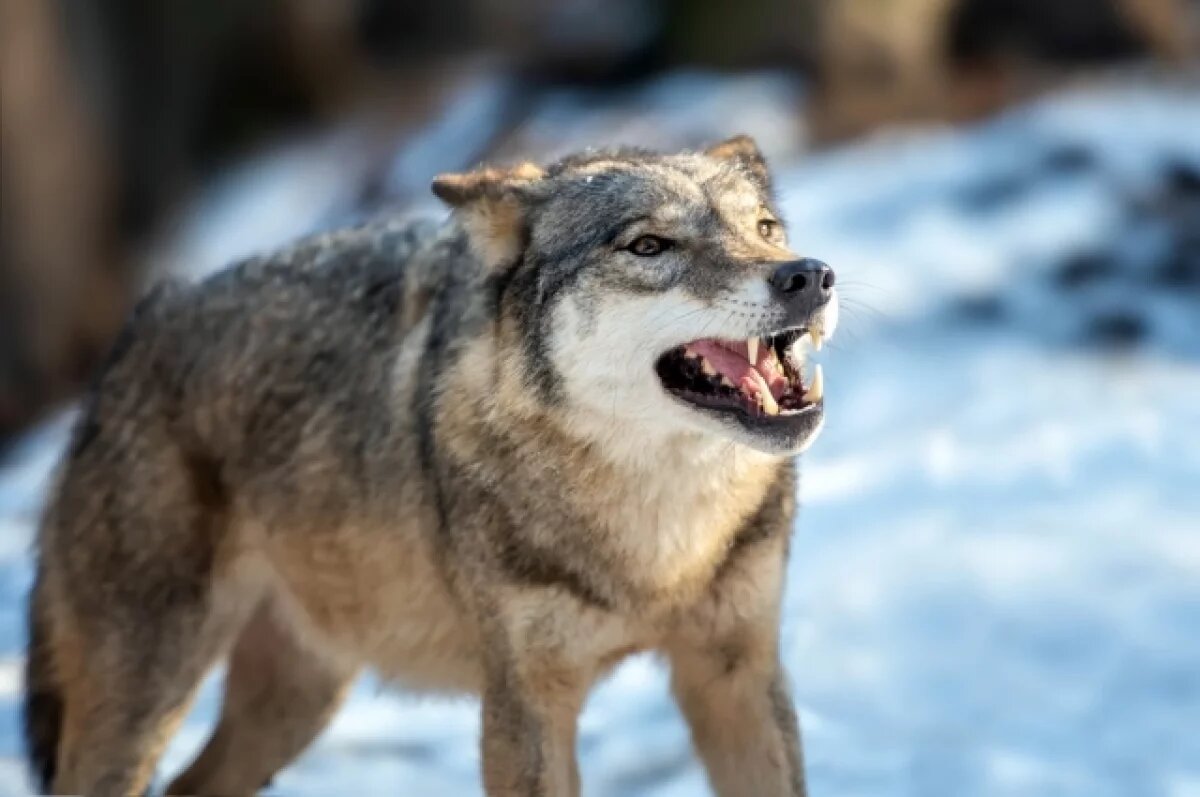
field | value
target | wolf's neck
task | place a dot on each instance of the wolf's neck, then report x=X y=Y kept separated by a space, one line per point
x=668 y=506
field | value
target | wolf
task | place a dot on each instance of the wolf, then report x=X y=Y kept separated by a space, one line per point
x=492 y=455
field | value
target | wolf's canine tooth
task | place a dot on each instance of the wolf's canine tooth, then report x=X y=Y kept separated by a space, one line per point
x=817 y=335
x=816 y=391
x=752 y=350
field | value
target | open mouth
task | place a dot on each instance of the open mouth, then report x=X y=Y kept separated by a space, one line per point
x=762 y=378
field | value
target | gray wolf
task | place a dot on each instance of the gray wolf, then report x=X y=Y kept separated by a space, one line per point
x=495 y=455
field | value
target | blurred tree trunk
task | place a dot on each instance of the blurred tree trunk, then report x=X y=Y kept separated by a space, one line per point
x=112 y=111
x=883 y=61
x=62 y=287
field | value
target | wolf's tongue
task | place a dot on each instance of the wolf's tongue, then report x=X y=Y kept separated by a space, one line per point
x=733 y=364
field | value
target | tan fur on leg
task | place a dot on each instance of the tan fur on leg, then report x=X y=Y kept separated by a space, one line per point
x=535 y=688
x=119 y=717
x=278 y=697
x=742 y=720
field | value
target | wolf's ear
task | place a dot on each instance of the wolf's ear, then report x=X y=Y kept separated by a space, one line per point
x=743 y=151
x=492 y=205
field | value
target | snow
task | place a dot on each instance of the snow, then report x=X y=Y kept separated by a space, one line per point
x=995 y=581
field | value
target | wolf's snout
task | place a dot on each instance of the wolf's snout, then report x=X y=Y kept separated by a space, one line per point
x=807 y=277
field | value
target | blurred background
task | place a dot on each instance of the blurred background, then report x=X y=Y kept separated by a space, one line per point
x=995 y=582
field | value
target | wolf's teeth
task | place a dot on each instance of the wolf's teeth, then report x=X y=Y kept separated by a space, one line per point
x=707 y=368
x=752 y=350
x=816 y=391
x=817 y=335
x=726 y=381
x=769 y=405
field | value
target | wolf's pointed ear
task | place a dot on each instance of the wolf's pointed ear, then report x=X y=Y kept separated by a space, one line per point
x=457 y=190
x=743 y=151
x=491 y=204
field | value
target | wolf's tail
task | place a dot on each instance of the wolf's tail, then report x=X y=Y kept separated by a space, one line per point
x=43 y=708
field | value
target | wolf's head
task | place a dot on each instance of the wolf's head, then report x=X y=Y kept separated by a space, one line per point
x=655 y=293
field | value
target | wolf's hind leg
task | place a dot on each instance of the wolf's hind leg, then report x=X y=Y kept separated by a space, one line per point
x=124 y=696
x=142 y=604
x=278 y=697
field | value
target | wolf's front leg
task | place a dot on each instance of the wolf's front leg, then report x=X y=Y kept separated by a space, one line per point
x=531 y=701
x=743 y=724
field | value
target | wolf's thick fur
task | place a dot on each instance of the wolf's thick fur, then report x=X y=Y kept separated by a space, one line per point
x=438 y=451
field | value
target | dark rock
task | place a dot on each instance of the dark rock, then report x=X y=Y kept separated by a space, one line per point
x=1085 y=268
x=993 y=193
x=1181 y=267
x=1117 y=328
x=982 y=308
x=1182 y=180
x=1068 y=159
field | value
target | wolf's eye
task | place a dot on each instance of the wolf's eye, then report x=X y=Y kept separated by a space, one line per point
x=768 y=229
x=649 y=246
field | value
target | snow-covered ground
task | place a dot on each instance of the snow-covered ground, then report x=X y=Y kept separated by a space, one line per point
x=995 y=582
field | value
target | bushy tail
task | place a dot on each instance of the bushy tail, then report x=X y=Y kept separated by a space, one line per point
x=43 y=698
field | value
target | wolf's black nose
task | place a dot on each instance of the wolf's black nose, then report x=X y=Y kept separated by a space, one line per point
x=808 y=275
